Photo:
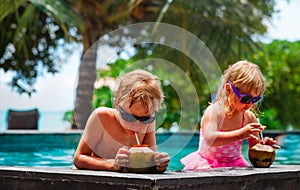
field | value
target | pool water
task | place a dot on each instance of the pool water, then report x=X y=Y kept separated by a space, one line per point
x=49 y=150
x=57 y=149
x=288 y=154
x=290 y=149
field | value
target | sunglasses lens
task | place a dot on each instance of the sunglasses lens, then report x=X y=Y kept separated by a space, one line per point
x=257 y=99
x=246 y=99
x=131 y=118
x=128 y=117
x=147 y=120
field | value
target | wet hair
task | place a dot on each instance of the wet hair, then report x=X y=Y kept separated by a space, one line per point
x=139 y=86
x=241 y=74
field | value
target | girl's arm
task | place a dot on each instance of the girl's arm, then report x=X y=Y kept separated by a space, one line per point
x=214 y=137
x=253 y=140
x=210 y=127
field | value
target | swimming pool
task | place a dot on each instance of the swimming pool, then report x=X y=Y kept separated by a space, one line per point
x=57 y=149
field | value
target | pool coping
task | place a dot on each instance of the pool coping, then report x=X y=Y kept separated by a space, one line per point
x=275 y=177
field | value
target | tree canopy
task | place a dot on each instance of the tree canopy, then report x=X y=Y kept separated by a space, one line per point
x=279 y=62
x=32 y=32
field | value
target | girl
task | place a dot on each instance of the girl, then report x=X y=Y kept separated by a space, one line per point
x=109 y=132
x=228 y=120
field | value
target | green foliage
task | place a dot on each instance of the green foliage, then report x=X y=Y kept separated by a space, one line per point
x=227 y=27
x=269 y=119
x=31 y=34
x=102 y=97
x=32 y=30
x=68 y=116
x=280 y=63
x=114 y=69
x=172 y=104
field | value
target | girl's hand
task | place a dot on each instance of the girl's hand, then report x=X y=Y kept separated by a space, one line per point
x=161 y=161
x=121 y=159
x=271 y=142
x=252 y=130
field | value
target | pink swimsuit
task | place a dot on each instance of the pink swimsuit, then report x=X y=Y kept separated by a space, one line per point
x=229 y=155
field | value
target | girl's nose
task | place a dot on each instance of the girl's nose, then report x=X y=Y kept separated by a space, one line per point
x=249 y=105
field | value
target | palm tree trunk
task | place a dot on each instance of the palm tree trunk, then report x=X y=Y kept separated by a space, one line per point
x=85 y=88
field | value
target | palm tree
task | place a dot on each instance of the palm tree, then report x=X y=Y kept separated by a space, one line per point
x=99 y=17
x=89 y=19
x=227 y=27
x=30 y=32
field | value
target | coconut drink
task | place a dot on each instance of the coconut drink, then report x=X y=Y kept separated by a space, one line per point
x=141 y=159
x=261 y=156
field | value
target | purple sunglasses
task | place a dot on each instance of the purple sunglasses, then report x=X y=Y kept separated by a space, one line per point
x=245 y=98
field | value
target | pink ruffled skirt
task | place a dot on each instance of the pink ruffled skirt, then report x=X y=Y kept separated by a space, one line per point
x=194 y=161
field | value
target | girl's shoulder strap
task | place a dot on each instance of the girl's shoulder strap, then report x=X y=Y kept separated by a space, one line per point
x=244 y=120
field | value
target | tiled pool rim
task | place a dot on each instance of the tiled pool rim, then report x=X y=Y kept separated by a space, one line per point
x=275 y=177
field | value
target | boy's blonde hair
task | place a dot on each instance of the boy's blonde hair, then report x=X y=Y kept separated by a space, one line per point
x=139 y=86
x=241 y=73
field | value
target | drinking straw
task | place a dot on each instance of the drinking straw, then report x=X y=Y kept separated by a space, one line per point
x=137 y=138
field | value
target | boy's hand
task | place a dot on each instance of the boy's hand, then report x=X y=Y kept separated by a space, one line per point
x=121 y=159
x=161 y=161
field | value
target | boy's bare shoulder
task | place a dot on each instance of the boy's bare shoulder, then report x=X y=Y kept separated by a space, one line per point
x=104 y=111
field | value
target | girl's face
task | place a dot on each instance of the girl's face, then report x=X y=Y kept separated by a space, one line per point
x=242 y=107
x=136 y=118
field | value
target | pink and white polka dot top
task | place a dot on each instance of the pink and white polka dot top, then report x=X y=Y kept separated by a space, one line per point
x=229 y=155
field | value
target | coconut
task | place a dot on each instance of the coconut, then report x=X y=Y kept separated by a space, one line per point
x=261 y=156
x=141 y=159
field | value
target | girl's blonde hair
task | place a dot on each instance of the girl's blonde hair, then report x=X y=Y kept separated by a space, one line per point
x=139 y=86
x=241 y=73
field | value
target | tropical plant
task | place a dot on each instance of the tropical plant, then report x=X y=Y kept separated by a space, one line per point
x=100 y=17
x=279 y=61
x=227 y=28
x=33 y=30
x=33 y=35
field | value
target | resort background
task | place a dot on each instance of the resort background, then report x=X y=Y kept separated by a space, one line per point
x=49 y=121
x=56 y=93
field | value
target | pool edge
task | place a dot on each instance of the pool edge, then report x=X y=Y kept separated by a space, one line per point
x=275 y=177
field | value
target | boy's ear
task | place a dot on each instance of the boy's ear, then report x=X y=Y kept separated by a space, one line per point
x=115 y=103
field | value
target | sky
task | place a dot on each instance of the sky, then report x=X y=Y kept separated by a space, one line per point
x=54 y=92
x=285 y=25
x=57 y=92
